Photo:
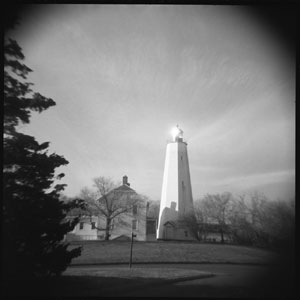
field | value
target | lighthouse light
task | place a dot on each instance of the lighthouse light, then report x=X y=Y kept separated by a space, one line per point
x=175 y=132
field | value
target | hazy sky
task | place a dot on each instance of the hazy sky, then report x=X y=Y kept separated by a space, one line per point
x=123 y=76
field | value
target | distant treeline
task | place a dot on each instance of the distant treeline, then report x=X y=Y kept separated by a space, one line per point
x=246 y=219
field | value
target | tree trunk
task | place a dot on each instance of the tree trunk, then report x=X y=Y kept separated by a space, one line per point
x=107 y=229
x=204 y=233
x=222 y=235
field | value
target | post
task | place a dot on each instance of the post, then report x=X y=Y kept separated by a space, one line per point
x=130 y=261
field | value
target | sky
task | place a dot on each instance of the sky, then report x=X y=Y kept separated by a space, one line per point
x=123 y=76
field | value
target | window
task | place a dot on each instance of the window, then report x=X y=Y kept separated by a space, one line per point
x=81 y=225
x=112 y=224
x=93 y=225
x=134 y=225
x=185 y=233
x=134 y=209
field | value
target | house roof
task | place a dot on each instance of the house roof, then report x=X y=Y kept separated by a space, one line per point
x=172 y=223
x=124 y=188
x=177 y=224
x=121 y=189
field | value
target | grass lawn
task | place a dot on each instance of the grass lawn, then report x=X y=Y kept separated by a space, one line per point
x=96 y=281
x=100 y=252
x=165 y=273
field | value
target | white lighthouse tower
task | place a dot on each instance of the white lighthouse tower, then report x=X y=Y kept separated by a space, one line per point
x=176 y=198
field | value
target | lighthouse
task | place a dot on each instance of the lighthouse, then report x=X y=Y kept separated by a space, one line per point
x=176 y=202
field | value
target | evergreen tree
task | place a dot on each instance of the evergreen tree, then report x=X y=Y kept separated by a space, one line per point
x=34 y=219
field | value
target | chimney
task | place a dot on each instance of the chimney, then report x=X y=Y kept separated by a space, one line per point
x=125 y=180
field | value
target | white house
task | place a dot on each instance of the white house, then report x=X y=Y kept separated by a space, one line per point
x=92 y=227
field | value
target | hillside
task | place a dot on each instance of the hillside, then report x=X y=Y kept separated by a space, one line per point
x=96 y=252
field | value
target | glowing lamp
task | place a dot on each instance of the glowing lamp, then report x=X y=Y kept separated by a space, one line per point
x=176 y=133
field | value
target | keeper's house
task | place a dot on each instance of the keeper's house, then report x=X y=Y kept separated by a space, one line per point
x=137 y=220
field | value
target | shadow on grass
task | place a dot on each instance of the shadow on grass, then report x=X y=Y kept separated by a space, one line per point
x=74 y=286
x=267 y=286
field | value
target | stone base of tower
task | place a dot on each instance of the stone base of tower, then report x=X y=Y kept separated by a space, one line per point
x=176 y=231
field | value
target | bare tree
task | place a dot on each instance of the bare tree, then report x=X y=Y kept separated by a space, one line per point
x=216 y=208
x=211 y=209
x=195 y=220
x=109 y=201
x=273 y=221
x=259 y=215
x=248 y=219
x=258 y=221
x=153 y=209
x=240 y=219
